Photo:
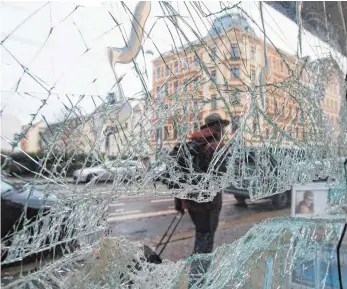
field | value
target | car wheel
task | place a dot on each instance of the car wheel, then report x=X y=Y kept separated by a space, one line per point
x=281 y=201
x=89 y=178
x=240 y=199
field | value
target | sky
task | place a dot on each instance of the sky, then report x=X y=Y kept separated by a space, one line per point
x=65 y=49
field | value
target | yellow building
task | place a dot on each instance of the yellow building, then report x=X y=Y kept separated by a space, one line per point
x=219 y=74
x=31 y=142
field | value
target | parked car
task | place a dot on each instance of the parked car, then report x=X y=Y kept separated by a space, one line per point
x=246 y=165
x=244 y=169
x=23 y=202
x=157 y=170
x=111 y=170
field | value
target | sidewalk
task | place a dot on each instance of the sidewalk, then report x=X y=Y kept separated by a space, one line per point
x=182 y=243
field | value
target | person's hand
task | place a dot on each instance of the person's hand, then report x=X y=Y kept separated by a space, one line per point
x=178 y=206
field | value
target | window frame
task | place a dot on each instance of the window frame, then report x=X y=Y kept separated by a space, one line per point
x=252 y=52
x=232 y=51
x=176 y=66
x=158 y=72
x=233 y=75
x=214 y=53
x=253 y=79
x=214 y=78
x=166 y=133
x=213 y=101
x=175 y=87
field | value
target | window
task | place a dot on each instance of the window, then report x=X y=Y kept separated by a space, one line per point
x=254 y=126
x=253 y=53
x=196 y=106
x=176 y=66
x=234 y=51
x=185 y=63
x=175 y=86
x=175 y=132
x=107 y=142
x=284 y=107
x=214 y=53
x=185 y=85
x=274 y=63
x=196 y=127
x=166 y=70
x=281 y=64
x=235 y=72
x=213 y=76
x=234 y=97
x=196 y=84
x=213 y=102
x=297 y=114
x=275 y=106
x=267 y=131
x=158 y=72
x=166 y=133
x=166 y=87
x=289 y=130
x=166 y=106
x=235 y=123
x=253 y=76
x=196 y=60
x=158 y=90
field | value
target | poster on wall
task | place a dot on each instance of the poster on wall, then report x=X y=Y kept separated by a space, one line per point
x=309 y=200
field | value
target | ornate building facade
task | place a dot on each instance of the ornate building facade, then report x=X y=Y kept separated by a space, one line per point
x=220 y=74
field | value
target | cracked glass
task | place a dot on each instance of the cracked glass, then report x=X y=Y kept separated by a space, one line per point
x=105 y=92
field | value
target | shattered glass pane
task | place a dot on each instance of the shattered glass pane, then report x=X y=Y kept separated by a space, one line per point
x=67 y=119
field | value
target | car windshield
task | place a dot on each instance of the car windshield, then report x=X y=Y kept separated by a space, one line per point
x=5 y=187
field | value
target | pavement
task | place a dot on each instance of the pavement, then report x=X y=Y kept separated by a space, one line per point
x=147 y=218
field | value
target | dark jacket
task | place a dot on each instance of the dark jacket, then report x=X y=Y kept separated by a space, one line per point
x=213 y=144
x=208 y=136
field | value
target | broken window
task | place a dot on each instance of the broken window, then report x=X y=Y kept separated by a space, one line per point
x=87 y=129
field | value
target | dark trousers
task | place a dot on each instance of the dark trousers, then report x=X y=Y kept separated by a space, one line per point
x=205 y=217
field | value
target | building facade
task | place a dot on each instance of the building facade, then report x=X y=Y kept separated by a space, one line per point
x=220 y=74
x=126 y=139
x=31 y=143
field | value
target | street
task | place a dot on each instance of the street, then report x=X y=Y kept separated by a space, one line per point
x=145 y=218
